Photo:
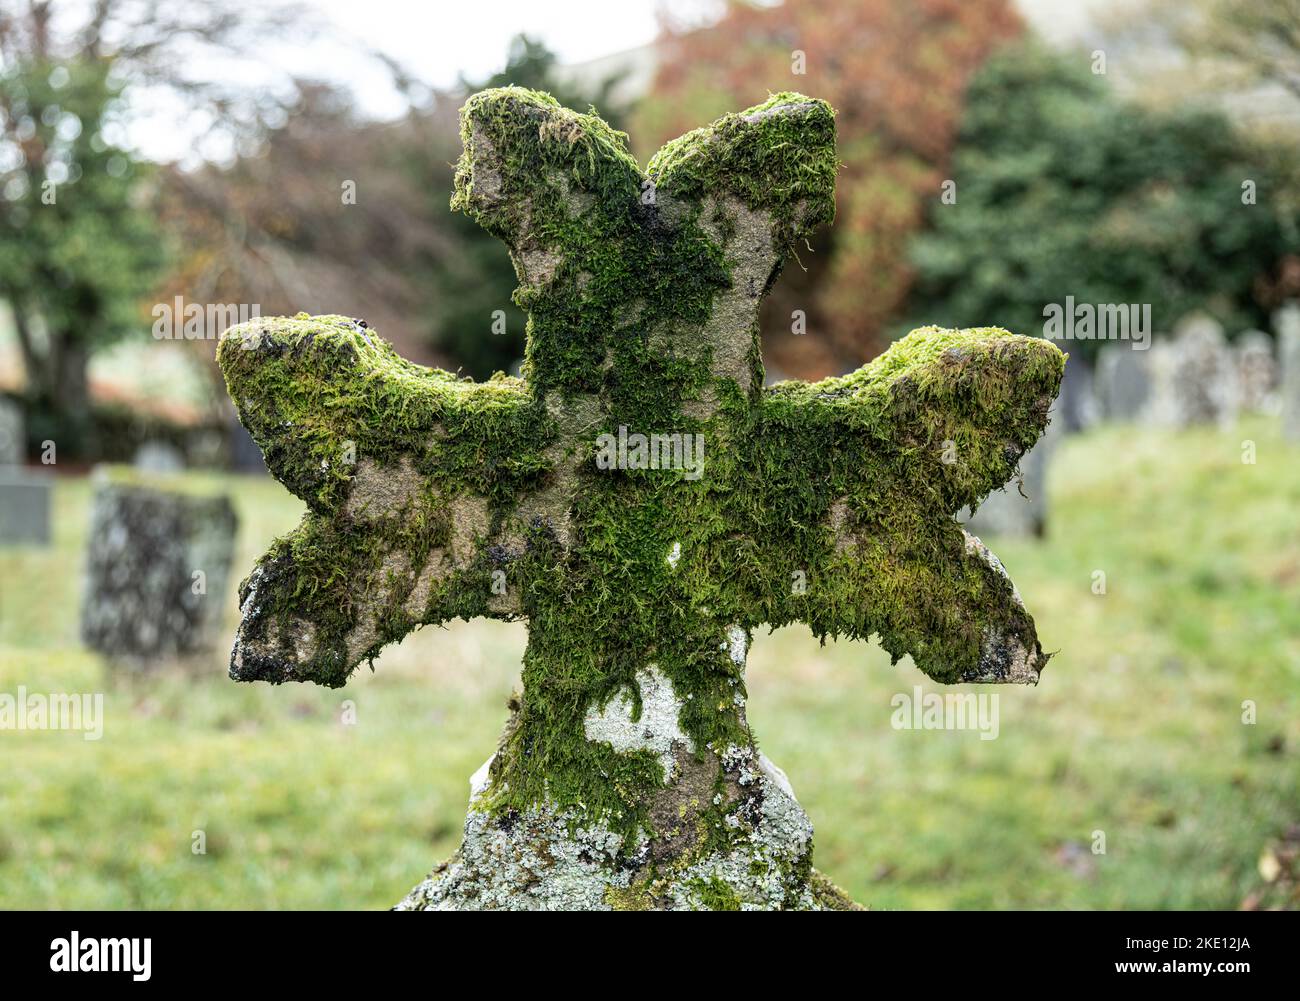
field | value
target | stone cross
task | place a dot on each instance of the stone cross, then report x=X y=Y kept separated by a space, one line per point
x=641 y=500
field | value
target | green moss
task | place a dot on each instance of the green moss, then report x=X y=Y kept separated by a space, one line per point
x=842 y=482
x=715 y=895
x=830 y=897
x=778 y=157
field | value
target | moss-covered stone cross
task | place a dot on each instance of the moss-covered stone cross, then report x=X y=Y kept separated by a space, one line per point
x=627 y=774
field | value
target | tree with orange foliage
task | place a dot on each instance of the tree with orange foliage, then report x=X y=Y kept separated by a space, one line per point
x=896 y=74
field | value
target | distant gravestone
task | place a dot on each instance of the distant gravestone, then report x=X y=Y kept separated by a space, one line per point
x=158 y=457
x=205 y=448
x=1123 y=382
x=24 y=507
x=1193 y=377
x=1286 y=322
x=157 y=569
x=1019 y=509
x=1257 y=375
x=642 y=500
x=13 y=440
x=24 y=495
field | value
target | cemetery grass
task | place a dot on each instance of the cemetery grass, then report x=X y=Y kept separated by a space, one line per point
x=1135 y=730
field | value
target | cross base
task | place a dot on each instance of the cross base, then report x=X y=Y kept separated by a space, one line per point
x=541 y=859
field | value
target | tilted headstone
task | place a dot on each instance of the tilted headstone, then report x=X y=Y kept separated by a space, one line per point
x=1019 y=509
x=641 y=500
x=1123 y=382
x=1256 y=372
x=1193 y=377
x=157 y=572
x=1286 y=323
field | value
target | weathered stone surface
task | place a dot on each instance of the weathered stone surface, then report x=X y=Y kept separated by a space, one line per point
x=1257 y=378
x=142 y=603
x=13 y=440
x=24 y=506
x=628 y=775
x=1286 y=323
x=535 y=862
x=1123 y=382
x=1193 y=378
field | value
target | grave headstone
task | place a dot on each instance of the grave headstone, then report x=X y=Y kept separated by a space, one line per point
x=1286 y=323
x=24 y=507
x=205 y=448
x=1123 y=382
x=1256 y=372
x=1193 y=378
x=642 y=500
x=13 y=435
x=158 y=457
x=24 y=495
x=157 y=573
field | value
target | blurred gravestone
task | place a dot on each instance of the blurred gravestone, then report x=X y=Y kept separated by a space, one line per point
x=205 y=448
x=1286 y=322
x=24 y=495
x=157 y=568
x=13 y=435
x=1193 y=377
x=1123 y=382
x=24 y=506
x=627 y=776
x=1256 y=372
x=158 y=457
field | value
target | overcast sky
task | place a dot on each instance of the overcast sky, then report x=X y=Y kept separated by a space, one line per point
x=437 y=41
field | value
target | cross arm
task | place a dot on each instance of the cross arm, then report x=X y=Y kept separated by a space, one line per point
x=865 y=473
x=770 y=168
x=418 y=486
x=546 y=181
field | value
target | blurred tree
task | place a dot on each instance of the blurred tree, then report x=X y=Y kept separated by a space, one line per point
x=323 y=216
x=1062 y=189
x=895 y=74
x=1260 y=39
x=275 y=228
x=80 y=249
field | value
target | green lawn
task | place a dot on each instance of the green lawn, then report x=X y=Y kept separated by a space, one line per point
x=1136 y=729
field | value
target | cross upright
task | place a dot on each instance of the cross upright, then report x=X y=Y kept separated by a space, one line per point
x=627 y=773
